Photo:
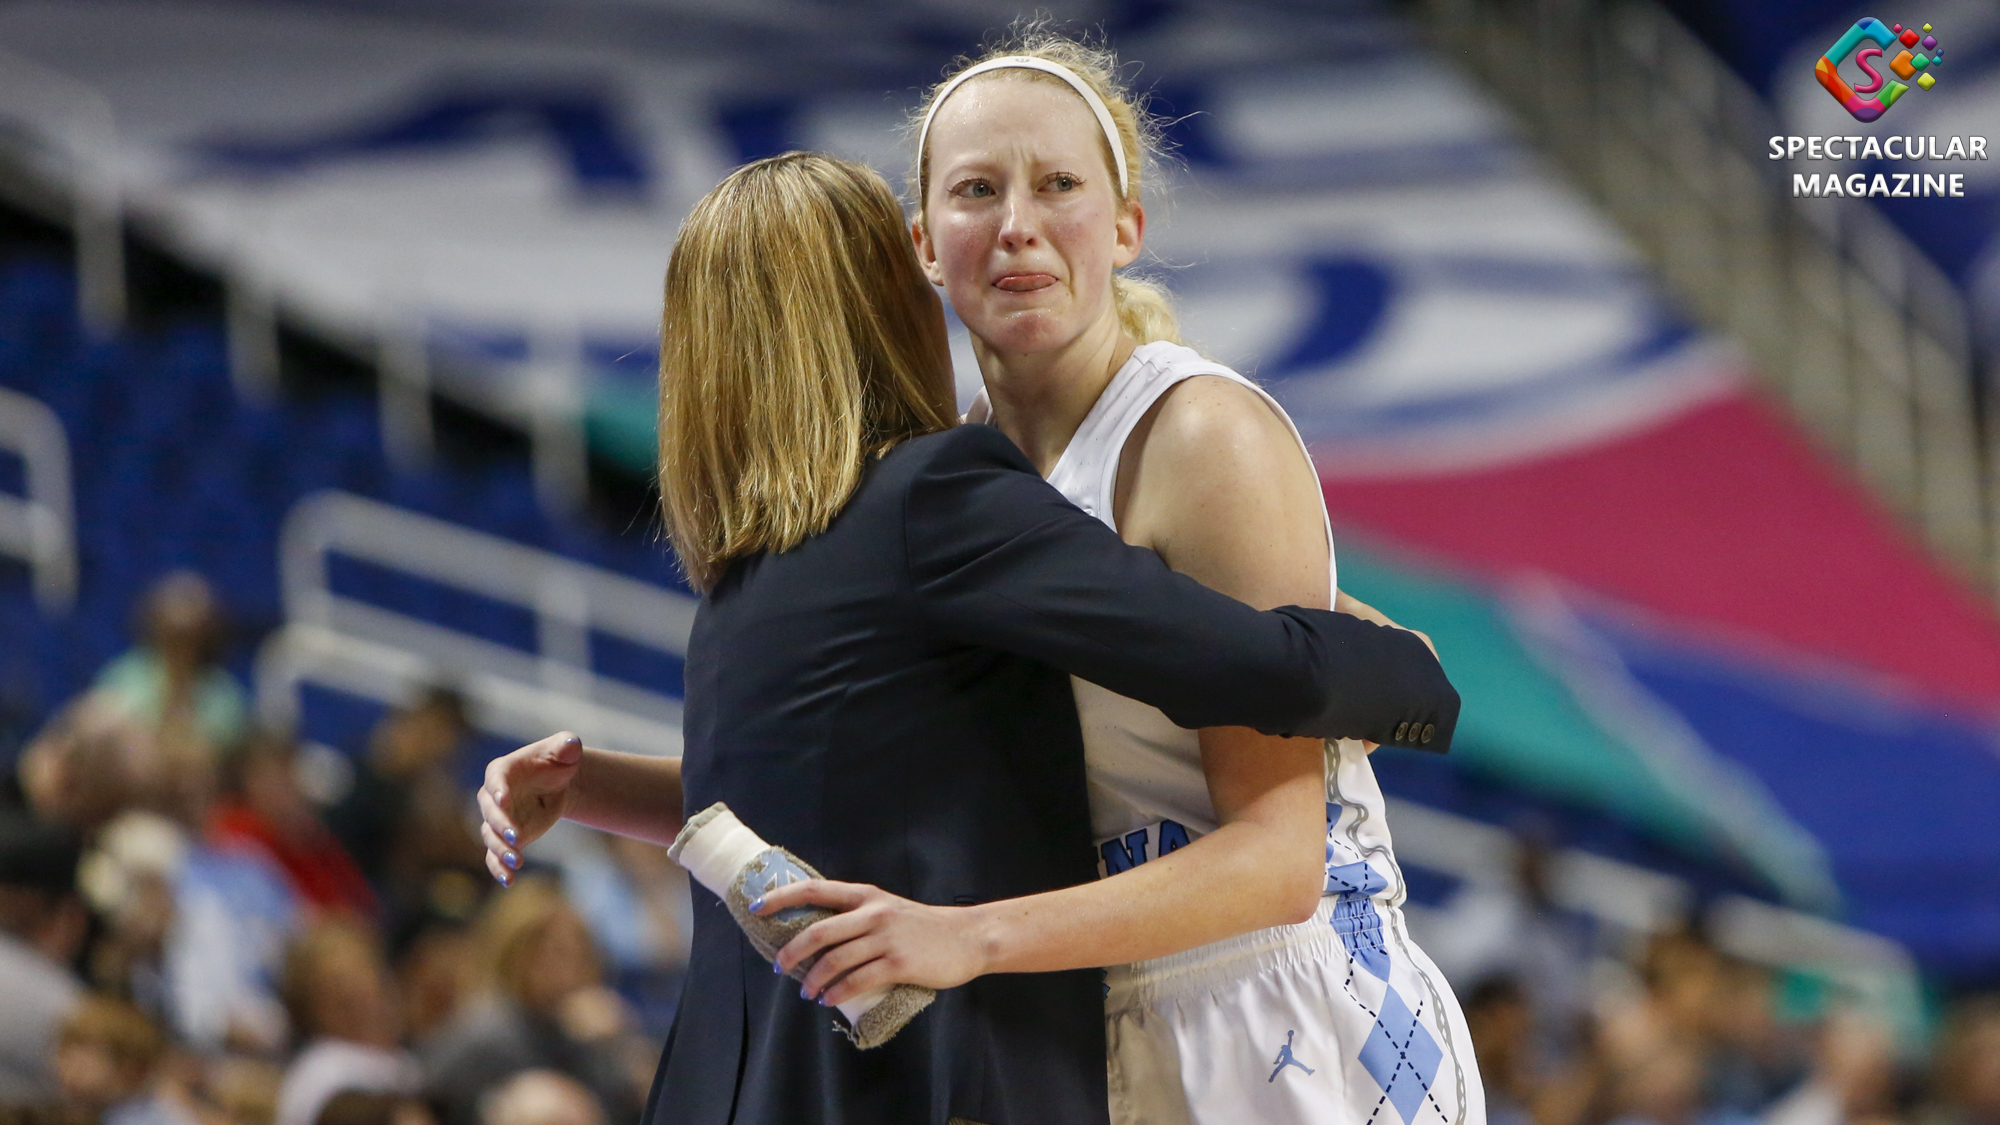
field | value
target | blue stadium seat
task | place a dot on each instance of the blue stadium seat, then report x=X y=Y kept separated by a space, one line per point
x=171 y=469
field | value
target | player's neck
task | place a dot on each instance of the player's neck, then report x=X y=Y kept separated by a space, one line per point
x=1040 y=398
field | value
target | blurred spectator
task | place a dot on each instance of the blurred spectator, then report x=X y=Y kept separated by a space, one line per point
x=128 y=879
x=1516 y=930
x=635 y=900
x=225 y=948
x=1723 y=1009
x=172 y=687
x=262 y=811
x=541 y=1097
x=1752 y=1058
x=404 y=817
x=545 y=1007
x=1662 y=1086
x=84 y=766
x=237 y=1090
x=170 y=680
x=1501 y=1024
x=1525 y=1086
x=357 y=1107
x=105 y=1063
x=1853 y=1079
x=436 y=973
x=1685 y=979
x=343 y=1009
x=42 y=929
x=1966 y=1087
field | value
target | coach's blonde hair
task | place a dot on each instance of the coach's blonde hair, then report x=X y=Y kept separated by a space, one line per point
x=799 y=339
x=1145 y=310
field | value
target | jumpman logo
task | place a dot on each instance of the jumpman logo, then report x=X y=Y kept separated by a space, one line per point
x=1286 y=1058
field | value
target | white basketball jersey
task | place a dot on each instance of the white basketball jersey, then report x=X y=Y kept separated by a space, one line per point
x=1148 y=796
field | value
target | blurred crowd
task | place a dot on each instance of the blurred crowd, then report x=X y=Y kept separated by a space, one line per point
x=1579 y=1023
x=203 y=922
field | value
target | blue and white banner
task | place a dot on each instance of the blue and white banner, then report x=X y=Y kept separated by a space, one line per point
x=1387 y=257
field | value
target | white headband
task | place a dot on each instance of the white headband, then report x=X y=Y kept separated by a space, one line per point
x=1029 y=62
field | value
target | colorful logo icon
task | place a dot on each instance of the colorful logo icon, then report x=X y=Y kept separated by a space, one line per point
x=1861 y=100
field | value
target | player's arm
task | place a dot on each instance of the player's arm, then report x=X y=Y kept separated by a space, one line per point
x=1221 y=490
x=1215 y=482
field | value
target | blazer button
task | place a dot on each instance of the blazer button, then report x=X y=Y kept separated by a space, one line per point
x=1401 y=730
x=1429 y=729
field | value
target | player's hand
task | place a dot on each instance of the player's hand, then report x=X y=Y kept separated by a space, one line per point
x=878 y=940
x=525 y=792
x=1343 y=602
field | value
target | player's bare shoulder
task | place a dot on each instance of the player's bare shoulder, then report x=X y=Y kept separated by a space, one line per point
x=1208 y=436
x=1212 y=416
x=1215 y=480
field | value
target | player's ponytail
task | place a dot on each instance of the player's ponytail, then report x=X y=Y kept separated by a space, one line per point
x=1145 y=310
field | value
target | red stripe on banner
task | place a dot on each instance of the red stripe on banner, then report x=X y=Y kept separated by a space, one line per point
x=1723 y=516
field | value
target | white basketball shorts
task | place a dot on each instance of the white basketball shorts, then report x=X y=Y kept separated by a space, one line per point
x=1340 y=1020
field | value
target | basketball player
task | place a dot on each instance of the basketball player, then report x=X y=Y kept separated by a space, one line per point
x=1254 y=918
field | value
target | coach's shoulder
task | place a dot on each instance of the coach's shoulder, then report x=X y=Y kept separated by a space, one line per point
x=966 y=488
x=967 y=447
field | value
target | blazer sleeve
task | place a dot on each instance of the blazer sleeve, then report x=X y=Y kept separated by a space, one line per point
x=998 y=557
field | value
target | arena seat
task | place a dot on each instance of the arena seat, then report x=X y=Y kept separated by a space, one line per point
x=173 y=469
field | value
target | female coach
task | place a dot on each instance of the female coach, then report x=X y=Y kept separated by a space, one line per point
x=878 y=673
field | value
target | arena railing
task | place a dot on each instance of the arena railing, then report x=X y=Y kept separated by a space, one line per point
x=1843 y=317
x=70 y=140
x=59 y=142
x=39 y=527
x=341 y=641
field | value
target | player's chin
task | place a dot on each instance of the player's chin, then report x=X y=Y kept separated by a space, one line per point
x=1025 y=328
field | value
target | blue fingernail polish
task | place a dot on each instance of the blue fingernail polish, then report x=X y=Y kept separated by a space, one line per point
x=756 y=904
x=804 y=994
x=512 y=860
x=777 y=968
x=510 y=837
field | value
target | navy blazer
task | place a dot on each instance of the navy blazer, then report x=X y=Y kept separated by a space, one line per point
x=891 y=701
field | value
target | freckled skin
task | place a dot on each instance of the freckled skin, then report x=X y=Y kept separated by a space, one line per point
x=1023 y=229
x=1022 y=226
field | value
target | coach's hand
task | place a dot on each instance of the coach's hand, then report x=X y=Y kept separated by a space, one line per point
x=878 y=940
x=524 y=793
x=1343 y=602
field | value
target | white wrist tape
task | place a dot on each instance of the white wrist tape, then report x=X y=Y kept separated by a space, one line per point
x=724 y=855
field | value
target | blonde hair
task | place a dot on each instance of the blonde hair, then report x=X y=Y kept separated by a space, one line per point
x=120 y=1029
x=799 y=339
x=307 y=961
x=509 y=928
x=1145 y=309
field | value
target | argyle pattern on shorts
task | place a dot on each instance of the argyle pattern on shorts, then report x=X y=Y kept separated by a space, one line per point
x=1400 y=1053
